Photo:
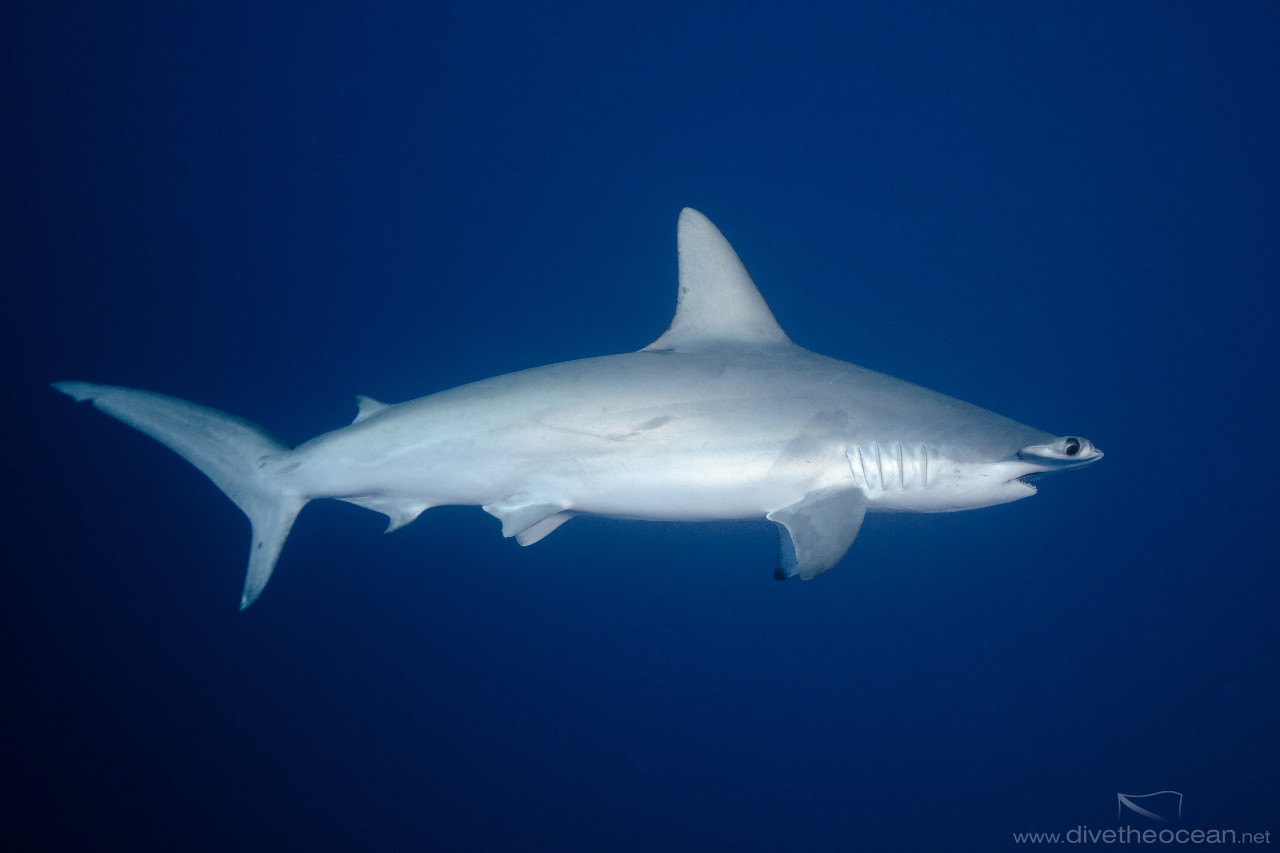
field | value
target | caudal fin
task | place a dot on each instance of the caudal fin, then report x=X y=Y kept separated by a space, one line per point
x=232 y=452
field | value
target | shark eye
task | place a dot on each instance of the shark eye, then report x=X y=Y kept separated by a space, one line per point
x=1071 y=446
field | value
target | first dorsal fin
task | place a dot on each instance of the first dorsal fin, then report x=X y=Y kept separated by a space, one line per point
x=367 y=406
x=718 y=302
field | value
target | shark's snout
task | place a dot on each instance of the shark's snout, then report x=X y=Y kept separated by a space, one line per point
x=1069 y=451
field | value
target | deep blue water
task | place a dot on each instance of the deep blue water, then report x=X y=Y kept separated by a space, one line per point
x=1067 y=213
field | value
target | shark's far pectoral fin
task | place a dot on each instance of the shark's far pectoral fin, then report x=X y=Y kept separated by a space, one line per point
x=816 y=531
x=528 y=518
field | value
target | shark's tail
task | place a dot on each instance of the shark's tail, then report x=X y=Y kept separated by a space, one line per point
x=230 y=451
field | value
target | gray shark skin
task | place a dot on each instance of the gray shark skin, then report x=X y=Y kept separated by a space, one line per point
x=722 y=417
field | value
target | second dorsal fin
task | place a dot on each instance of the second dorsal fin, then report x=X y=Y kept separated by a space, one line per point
x=367 y=406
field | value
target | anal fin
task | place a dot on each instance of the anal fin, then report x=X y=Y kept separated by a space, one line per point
x=815 y=532
x=399 y=511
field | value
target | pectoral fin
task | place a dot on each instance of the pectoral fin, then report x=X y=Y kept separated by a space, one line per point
x=815 y=532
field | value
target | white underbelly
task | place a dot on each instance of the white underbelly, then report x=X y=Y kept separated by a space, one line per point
x=685 y=486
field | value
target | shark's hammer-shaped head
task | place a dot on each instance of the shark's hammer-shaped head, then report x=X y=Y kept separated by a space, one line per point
x=1070 y=451
x=1061 y=454
x=945 y=475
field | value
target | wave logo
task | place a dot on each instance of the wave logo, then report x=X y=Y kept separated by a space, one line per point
x=1162 y=806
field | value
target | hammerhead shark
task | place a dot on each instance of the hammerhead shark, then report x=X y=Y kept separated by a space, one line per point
x=722 y=417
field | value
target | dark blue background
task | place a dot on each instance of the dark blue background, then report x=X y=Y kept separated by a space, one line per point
x=1067 y=213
